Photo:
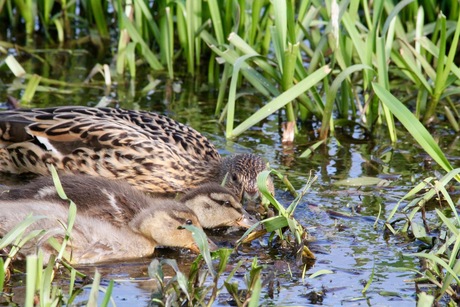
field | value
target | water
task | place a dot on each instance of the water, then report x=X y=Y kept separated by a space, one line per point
x=349 y=241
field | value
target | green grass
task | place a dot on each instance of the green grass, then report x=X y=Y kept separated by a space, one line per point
x=442 y=267
x=274 y=47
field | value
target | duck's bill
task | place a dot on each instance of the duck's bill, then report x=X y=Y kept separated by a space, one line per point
x=212 y=247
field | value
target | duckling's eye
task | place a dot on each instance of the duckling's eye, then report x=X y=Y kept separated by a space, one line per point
x=225 y=203
x=189 y=222
x=234 y=178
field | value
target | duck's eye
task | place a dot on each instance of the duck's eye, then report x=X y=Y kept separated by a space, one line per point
x=225 y=203
x=234 y=178
x=189 y=222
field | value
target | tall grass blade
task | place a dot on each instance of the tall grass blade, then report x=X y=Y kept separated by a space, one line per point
x=31 y=279
x=214 y=11
x=108 y=295
x=394 y=14
x=415 y=128
x=17 y=231
x=231 y=104
x=438 y=261
x=330 y=97
x=99 y=16
x=281 y=100
x=31 y=89
x=146 y=51
x=2 y=274
x=46 y=282
x=94 y=292
x=385 y=82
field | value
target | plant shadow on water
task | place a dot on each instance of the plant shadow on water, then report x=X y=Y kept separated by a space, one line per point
x=348 y=243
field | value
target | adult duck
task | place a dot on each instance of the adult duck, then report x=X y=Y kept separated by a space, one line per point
x=154 y=153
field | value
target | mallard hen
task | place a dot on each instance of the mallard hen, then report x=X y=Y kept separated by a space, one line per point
x=154 y=153
x=94 y=240
x=117 y=202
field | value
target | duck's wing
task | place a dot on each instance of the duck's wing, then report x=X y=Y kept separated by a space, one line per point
x=150 y=151
x=64 y=132
x=86 y=123
x=31 y=139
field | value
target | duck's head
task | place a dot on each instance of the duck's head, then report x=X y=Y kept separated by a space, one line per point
x=165 y=226
x=216 y=206
x=240 y=173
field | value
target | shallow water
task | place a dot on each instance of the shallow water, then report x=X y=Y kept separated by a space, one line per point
x=342 y=219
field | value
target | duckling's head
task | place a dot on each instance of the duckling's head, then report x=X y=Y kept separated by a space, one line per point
x=241 y=173
x=165 y=226
x=216 y=206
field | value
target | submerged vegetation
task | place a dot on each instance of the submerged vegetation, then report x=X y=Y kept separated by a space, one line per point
x=346 y=65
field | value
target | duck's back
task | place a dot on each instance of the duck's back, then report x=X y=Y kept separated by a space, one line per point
x=153 y=152
x=76 y=123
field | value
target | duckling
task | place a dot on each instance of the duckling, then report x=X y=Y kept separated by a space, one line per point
x=154 y=153
x=94 y=240
x=118 y=202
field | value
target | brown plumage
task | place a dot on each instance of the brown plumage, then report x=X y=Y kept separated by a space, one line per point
x=154 y=153
x=94 y=240
x=117 y=202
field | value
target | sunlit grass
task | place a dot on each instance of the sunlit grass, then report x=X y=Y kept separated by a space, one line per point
x=275 y=45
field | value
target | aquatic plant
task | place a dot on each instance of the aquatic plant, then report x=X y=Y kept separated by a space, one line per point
x=203 y=284
x=439 y=263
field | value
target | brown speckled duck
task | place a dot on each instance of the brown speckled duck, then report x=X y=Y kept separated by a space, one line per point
x=118 y=203
x=154 y=153
x=93 y=240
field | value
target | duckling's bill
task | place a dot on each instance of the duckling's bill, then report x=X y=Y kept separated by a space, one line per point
x=246 y=221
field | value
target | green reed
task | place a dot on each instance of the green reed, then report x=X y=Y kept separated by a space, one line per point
x=272 y=46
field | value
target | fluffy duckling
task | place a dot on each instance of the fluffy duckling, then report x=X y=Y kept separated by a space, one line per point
x=154 y=153
x=118 y=202
x=94 y=240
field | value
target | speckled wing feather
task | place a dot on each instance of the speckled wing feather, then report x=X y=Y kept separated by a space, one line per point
x=155 y=126
x=82 y=124
x=114 y=143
